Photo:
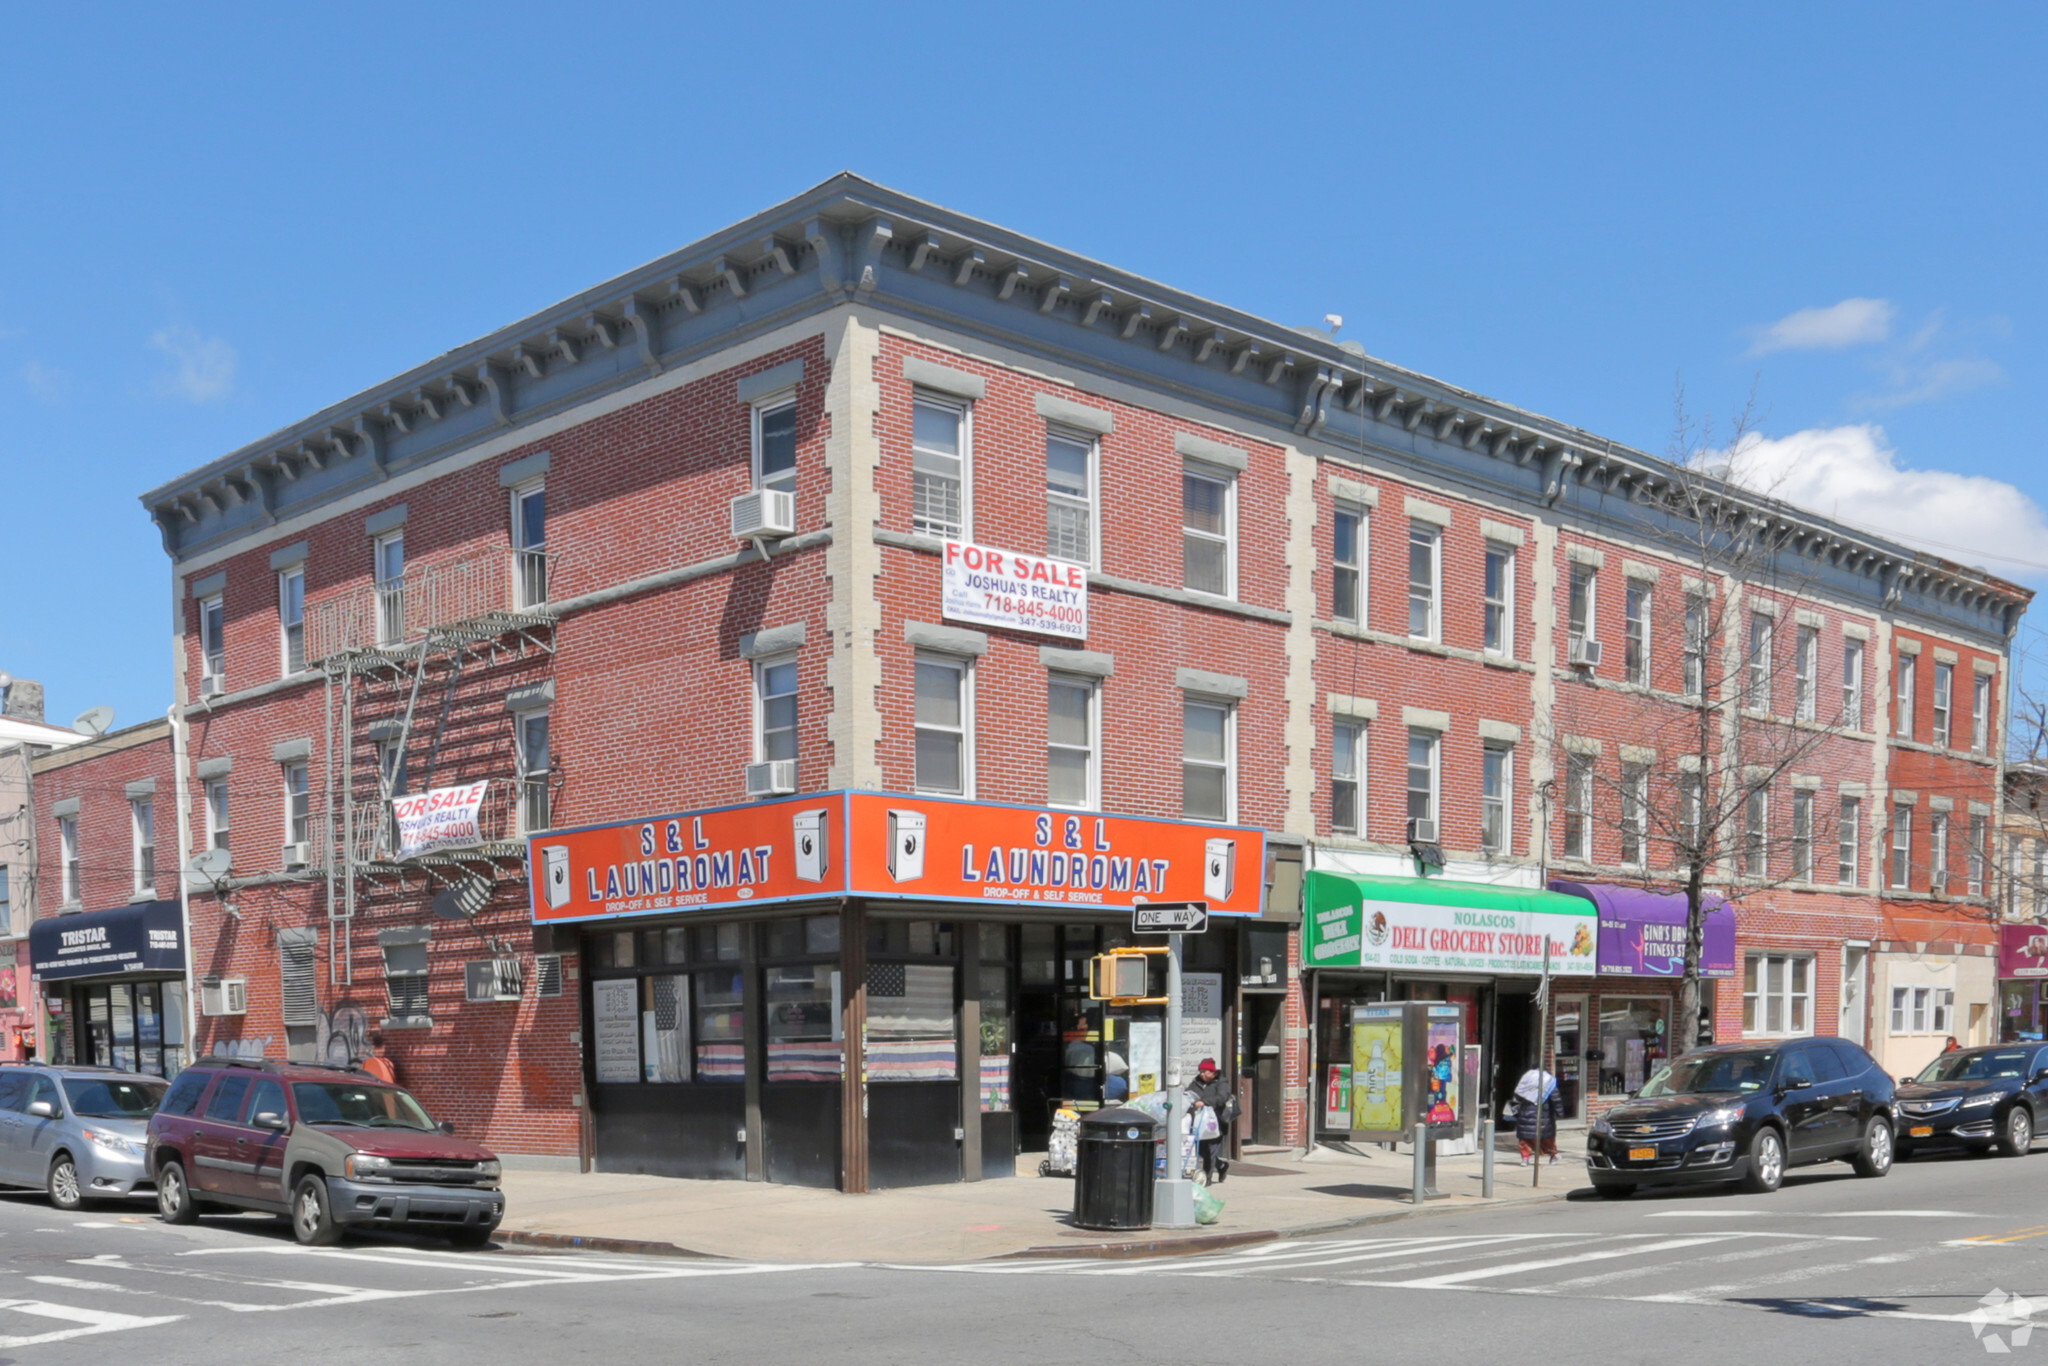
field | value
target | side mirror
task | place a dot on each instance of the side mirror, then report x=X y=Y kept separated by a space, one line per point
x=42 y=1109
x=1908 y=1081
x=2041 y=1074
x=269 y=1119
x=446 y=1126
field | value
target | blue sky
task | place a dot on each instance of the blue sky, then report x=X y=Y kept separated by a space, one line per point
x=215 y=220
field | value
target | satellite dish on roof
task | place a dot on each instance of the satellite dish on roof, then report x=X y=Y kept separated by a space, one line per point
x=462 y=900
x=94 y=721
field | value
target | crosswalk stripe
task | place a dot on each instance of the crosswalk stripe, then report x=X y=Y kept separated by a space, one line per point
x=1545 y=1263
x=89 y=1321
x=1664 y=1268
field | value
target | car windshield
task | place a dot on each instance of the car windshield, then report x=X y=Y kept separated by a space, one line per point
x=332 y=1103
x=1977 y=1066
x=1703 y=1072
x=96 y=1099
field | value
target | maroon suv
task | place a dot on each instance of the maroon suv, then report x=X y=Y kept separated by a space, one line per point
x=329 y=1149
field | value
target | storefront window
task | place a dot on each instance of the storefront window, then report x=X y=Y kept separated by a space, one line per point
x=1632 y=1042
x=804 y=1041
x=665 y=1027
x=721 y=1022
x=1568 y=1040
x=993 y=991
x=132 y=1026
x=911 y=1029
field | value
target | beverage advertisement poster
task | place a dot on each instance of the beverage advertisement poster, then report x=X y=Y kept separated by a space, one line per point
x=1337 y=1096
x=1376 y=1075
x=1440 y=1104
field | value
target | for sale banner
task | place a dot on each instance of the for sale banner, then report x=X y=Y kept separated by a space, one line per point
x=441 y=818
x=1018 y=592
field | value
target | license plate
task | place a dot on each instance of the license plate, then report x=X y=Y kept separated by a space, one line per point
x=1642 y=1154
x=1920 y=1131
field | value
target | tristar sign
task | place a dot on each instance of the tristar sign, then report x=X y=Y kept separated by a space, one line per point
x=1019 y=592
x=1434 y=924
x=883 y=845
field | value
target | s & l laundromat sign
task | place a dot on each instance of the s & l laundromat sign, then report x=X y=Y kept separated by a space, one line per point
x=1015 y=591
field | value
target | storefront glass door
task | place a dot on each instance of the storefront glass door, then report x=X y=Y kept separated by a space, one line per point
x=1568 y=1048
x=133 y=1026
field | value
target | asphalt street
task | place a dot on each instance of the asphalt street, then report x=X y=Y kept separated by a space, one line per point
x=1830 y=1266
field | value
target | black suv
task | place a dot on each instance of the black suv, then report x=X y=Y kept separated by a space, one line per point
x=1976 y=1096
x=1746 y=1112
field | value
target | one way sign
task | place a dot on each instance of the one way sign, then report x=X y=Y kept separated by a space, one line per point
x=1170 y=917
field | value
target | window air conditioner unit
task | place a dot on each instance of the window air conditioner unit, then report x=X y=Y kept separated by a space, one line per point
x=1586 y=654
x=297 y=855
x=492 y=979
x=209 y=685
x=223 y=996
x=1421 y=832
x=763 y=513
x=776 y=778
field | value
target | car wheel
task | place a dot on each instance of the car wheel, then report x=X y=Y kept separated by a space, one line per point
x=62 y=1183
x=2018 y=1137
x=1766 y=1162
x=174 y=1202
x=1614 y=1191
x=312 y=1220
x=1874 y=1154
x=470 y=1237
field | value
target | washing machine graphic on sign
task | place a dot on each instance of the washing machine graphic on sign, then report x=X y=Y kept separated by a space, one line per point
x=813 y=852
x=554 y=862
x=1219 y=869
x=906 y=845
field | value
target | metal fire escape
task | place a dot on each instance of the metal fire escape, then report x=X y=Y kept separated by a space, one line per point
x=394 y=656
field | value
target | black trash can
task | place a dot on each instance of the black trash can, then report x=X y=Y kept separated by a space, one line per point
x=1113 y=1171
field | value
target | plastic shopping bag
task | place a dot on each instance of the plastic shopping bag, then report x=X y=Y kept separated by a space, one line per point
x=1206 y=1125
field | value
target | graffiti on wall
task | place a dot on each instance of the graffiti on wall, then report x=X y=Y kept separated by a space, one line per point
x=344 y=1035
x=250 y=1049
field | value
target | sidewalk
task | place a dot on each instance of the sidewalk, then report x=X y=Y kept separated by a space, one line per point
x=1270 y=1194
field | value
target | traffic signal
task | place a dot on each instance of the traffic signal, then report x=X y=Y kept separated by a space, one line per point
x=1118 y=976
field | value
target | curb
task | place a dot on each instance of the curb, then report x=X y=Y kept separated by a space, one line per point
x=575 y=1242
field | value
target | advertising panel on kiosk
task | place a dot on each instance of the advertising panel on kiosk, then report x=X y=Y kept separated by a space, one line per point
x=1407 y=1068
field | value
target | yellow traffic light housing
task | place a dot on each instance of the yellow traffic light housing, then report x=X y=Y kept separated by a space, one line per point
x=1122 y=976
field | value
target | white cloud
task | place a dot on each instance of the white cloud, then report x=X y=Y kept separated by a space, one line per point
x=1852 y=322
x=1854 y=475
x=1923 y=381
x=46 y=382
x=203 y=368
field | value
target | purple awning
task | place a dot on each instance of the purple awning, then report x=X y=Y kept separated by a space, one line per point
x=1642 y=933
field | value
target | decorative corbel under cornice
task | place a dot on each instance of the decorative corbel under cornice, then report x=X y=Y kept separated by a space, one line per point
x=533 y=362
x=1098 y=304
x=1172 y=332
x=874 y=240
x=371 y=434
x=646 y=325
x=823 y=240
x=1138 y=317
x=773 y=248
x=498 y=385
x=570 y=348
x=927 y=249
x=723 y=269
x=1314 y=407
x=1049 y=298
x=964 y=268
x=1017 y=276
x=1210 y=341
x=1248 y=354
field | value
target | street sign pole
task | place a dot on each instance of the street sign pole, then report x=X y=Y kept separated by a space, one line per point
x=1173 y=1198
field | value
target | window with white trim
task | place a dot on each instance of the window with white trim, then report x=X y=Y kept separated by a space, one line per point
x=213 y=647
x=941 y=466
x=1849 y=842
x=1763 y=634
x=1578 y=807
x=1499 y=591
x=1802 y=835
x=7 y=898
x=217 y=813
x=1695 y=645
x=1347 y=761
x=1909 y=1009
x=773 y=424
x=1902 y=846
x=1425 y=753
x=405 y=976
x=1208 y=759
x=297 y=813
x=1070 y=496
x=1425 y=580
x=1904 y=690
x=1348 y=530
x=1208 y=516
x=387 y=558
x=1635 y=814
x=1937 y=852
x=1636 y=600
x=1806 y=674
x=1980 y=838
x=1777 y=994
x=1944 y=1011
x=291 y=618
x=1496 y=798
x=1582 y=607
x=1852 y=684
x=1072 y=741
x=67 y=853
x=775 y=695
x=1980 y=714
x=1944 y=698
x=535 y=762
x=1756 y=829
x=530 y=544
x=142 y=828
x=943 y=722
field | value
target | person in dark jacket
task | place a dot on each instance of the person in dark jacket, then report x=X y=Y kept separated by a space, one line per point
x=1538 y=1107
x=1210 y=1091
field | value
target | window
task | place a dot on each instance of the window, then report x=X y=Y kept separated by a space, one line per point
x=1207 y=785
x=1071 y=776
x=1578 y=807
x=1500 y=599
x=142 y=822
x=1777 y=994
x=1347 y=753
x=6 y=900
x=1852 y=684
x=1496 y=798
x=1695 y=645
x=530 y=544
x=1584 y=624
x=291 y=617
x=1849 y=842
x=1944 y=1011
x=1069 y=498
x=1756 y=827
x=67 y=852
x=1208 y=499
x=1425 y=569
x=1944 y=696
x=774 y=437
x=1635 y=814
x=226 y=1105
x=296 y=822
x=1980 y=836
x=1802 y=836
x=388 y=561
x=1902 y=846
x=1909 y=1009
x=535 y=763
x=1692 y=814
x=1980 y=714
x=1347 y=563
x=941 y=723
x=1908 y=664
x=775 y=734
x=405 y=975
x=1636 y=627
x=213 y=648
x=939 y=464
x=1424 y=747
x=1806 y=674
x=217 y=813
x=1937 y=852
x=1763 y=630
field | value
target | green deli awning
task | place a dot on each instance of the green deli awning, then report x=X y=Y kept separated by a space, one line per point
x=1429 y=925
